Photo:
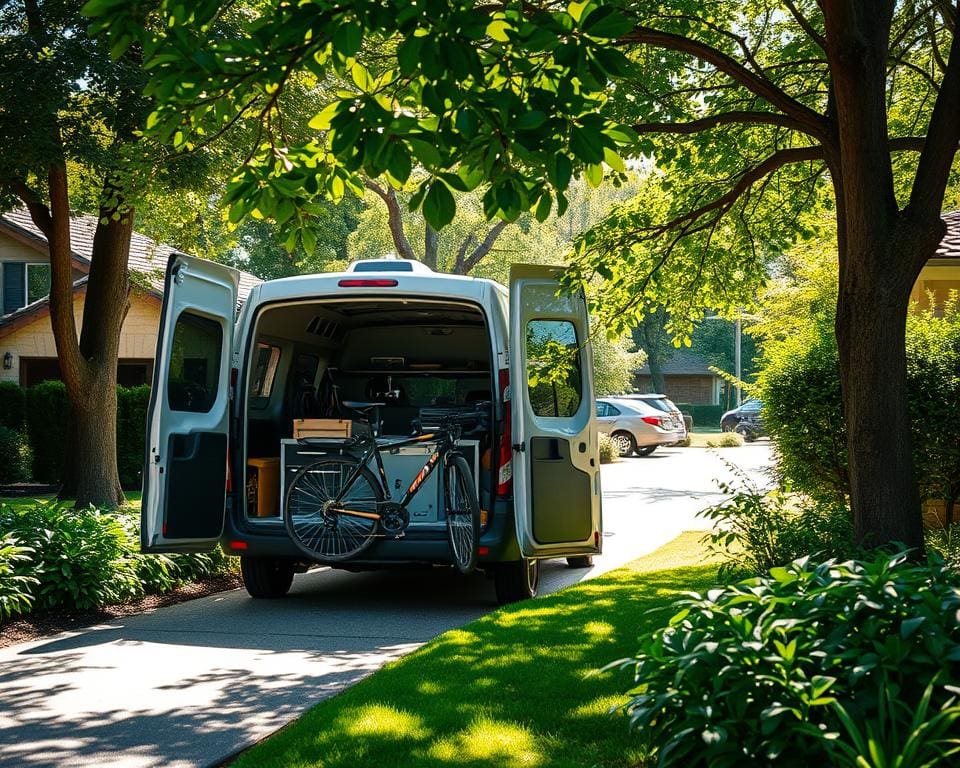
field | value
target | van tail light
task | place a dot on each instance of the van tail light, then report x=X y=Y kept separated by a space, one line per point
x=657 y=421
x=368 y=283
x=505 y=463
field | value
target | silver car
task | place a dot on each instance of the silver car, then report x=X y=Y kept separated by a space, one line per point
x=637 y=427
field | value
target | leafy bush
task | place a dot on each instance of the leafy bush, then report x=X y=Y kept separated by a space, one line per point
x=131 y=433
x=608 y=451
x=16 y=587
x=704 y=415
x=756 y=530
x=78 y=554
x=14 y=456
x=800 y=667
x=725 y=440
x=46 y=413
x=11 y=405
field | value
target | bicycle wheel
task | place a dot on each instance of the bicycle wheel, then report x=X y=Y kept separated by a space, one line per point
x=463 y=513
x=315 y=524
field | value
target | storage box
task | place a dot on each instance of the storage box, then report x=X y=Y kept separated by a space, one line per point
x=263 y=487
x=303 y=428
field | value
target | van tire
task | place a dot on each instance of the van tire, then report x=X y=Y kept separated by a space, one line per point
x=266 y=577
x=580 y=561
x=517 y=580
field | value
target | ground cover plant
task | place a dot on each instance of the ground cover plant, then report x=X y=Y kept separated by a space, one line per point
x=835 y=663
x=54 y=556
x=519 y=687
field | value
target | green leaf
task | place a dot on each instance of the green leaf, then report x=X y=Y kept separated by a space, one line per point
x=321 y=121
x=439 y=206
x=348 y=38
x=426 y=153
x=531 y=120
x=543 y=208
x=594 y=174
x=497 y=30
x=607 y=22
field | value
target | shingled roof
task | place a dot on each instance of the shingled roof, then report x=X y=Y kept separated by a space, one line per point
x=682 y=362
x=147 y=257
x=950 y=245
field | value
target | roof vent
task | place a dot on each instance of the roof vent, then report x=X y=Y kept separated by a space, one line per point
x=390 y=263
x=325 y=329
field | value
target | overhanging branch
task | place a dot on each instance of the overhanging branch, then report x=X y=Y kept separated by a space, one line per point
x=721 y=118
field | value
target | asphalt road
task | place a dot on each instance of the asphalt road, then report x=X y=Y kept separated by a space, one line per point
x=191 y=684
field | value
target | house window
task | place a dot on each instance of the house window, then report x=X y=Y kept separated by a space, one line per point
x=37 y=282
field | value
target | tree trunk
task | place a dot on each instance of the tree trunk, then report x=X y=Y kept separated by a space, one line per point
x=654 y=339
x=90 y=464
x=431 y=245
x=871 y=337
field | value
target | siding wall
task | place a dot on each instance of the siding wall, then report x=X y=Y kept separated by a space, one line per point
x=938 y=279
x=138 y=339
x=693 y=388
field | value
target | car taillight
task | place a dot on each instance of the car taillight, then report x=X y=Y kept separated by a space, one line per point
x=657 y=421
x=505 y=465
x=368 y=283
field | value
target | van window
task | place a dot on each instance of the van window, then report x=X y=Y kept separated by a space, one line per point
x=553 y=368
x=194 y=363
x=264 y=372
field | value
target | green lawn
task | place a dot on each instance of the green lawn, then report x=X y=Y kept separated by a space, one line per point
x=133 y=500
x=519 y=687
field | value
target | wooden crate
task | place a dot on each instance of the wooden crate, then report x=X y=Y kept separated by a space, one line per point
x=303 y=428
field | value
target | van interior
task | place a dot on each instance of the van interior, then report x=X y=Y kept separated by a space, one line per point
x=430 y=356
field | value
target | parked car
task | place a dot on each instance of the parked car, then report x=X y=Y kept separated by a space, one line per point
x=662 y=402
x=746 y=420
x=228 y=388
x=638 y=427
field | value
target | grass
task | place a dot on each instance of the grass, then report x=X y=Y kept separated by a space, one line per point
x=519 y=688
x=708 y=439
x=19 y=502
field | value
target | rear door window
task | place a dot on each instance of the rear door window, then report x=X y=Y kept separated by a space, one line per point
x=194 y=375
x=553 y=368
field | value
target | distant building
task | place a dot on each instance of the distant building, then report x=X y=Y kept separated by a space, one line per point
x=942 y=273
x=27 y=351
x=687 y=379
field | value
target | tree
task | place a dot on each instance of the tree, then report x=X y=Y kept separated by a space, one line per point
x=746 y=109
x=651 y=336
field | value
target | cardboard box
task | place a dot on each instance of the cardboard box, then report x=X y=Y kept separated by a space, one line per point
x=263 y=487
x=303 y=428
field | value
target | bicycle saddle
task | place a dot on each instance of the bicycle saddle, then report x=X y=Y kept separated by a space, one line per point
x=356 y=405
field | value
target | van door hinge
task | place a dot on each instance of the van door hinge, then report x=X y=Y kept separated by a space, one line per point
x=518 y=447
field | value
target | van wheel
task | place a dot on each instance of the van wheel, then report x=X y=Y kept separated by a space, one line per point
x=580 y=561
x=266 y=576
x=517 y=580
x=624 y=442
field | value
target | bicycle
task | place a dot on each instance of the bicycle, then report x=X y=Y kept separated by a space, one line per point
x=336 y=507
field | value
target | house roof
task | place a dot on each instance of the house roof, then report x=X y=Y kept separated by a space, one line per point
x=147 y=257
x=682 y=362
x=950 y=245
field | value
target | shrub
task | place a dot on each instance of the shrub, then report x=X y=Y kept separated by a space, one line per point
x=14 y=457
x=15 y=586
x=46 y=413
x=131 y=433
x=704 y=415
x=756 y=530
x=784 y=669
x=608 y=451
x=725 y=440
x=11 y=405
x=78 y=554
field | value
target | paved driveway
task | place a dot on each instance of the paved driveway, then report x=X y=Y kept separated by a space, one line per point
x=191 y=684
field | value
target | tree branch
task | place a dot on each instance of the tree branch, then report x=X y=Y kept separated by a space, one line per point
x=809 y=121
x=39 y=211
x=484 y=248
x=806 y=25
x=943 y=136
x=744 y=117
x=394 y=218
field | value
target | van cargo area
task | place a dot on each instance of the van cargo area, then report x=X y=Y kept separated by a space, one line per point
x=420 y=357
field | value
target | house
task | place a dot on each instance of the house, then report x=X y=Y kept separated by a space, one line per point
x=687 y=378
x=27 y=351
x=942 y=273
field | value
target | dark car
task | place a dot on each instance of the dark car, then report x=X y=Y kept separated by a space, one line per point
x=747 y=417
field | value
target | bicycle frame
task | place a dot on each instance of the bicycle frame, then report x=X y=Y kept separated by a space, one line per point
x=445 y=444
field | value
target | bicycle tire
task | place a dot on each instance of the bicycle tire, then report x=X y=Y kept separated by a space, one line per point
x=462 y=513
x=325 y=536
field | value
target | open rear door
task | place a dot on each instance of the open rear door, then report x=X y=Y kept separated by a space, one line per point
x=556 y=467
x=185 y=470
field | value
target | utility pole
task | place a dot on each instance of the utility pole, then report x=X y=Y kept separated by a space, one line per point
x=736 y=357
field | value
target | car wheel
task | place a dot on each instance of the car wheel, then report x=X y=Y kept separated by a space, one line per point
x=266 y=577
x=580 y=561
x=646 y=450
x=516 y=581
x=624 y=443
x=747 y=434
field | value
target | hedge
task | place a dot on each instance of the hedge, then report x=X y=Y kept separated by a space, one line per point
x=11 y=405
x=703 y=415
x=47 y=410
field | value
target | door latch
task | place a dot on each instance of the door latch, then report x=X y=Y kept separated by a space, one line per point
x=518 y=447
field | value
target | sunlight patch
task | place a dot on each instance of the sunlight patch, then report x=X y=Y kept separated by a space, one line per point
x=505 y=744
x=599 y=707
x=598 y=630
x=382 y=720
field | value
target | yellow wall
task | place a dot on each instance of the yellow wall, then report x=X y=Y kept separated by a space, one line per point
x=937 y=278
x=138 y=339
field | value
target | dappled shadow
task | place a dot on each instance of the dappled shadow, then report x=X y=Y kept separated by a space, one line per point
x=497 y=692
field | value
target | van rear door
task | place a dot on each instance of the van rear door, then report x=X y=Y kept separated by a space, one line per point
x=185 y=470
x=556 y=456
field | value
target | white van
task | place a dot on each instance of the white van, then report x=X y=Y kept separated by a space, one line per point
x=226 y=389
